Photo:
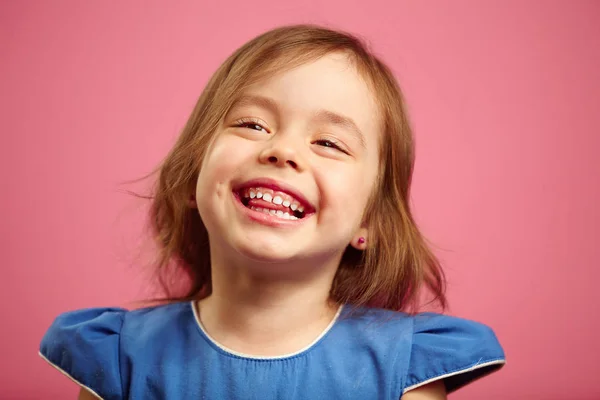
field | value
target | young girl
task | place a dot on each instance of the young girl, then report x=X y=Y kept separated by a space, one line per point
x=286 y=201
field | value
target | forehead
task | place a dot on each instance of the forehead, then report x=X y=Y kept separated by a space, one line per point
x=331 y=84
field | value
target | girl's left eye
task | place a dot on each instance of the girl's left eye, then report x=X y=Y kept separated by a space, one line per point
x=331 y=144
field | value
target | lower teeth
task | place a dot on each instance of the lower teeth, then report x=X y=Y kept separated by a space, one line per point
x=279 y=213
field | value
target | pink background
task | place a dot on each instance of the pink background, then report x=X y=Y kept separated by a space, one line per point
x=504 y=101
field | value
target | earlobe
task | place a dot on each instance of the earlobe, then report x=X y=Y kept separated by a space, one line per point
x=192 y=202
x=359 y=241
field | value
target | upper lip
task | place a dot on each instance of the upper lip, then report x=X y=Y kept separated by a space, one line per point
x=275 y=185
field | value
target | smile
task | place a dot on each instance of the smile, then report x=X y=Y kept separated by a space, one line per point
x=271 y=200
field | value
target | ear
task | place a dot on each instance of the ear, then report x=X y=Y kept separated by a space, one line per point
x=192 y=201
x=360 y=239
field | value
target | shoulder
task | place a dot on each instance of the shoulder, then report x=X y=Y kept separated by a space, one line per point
x=428 y=347
x=86 y=345
x=455 y=350
x=155 y=320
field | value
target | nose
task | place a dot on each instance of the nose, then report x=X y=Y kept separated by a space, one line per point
x=282 y=152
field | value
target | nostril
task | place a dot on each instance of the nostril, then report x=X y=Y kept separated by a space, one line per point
x=292 y=164
x=275 y=160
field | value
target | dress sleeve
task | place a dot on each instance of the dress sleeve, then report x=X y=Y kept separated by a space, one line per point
x=84 y=345
x=456 y=350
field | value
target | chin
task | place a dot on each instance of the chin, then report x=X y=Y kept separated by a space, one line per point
x=267 y=252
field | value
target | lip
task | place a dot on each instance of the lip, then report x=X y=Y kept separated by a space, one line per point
x=278 y=186
x=266 y=219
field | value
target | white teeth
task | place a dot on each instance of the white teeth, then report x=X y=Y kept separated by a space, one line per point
x=277 y=213
x=275 y=199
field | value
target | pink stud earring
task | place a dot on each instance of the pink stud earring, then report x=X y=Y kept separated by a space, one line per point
x=361 y=240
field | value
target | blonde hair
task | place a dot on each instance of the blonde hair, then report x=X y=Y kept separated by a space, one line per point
x=396 y=265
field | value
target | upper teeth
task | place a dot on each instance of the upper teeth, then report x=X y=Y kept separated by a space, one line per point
x=269 y=196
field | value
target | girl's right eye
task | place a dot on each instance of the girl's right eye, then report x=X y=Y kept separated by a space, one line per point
x=251 y=123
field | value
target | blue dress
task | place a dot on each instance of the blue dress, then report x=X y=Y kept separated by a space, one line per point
x=163 y=352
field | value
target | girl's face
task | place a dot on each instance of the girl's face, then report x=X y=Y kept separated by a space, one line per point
x=289 y=173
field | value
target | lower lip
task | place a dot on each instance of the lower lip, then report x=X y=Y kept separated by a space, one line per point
x=266 y=219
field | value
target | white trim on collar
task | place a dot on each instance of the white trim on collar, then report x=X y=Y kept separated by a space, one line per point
x=253 y=357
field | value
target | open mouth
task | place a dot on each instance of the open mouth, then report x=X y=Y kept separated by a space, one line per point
x=274 y=201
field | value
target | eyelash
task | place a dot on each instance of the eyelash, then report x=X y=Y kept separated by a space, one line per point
x=327 y=143
x=247 y=122
x=330 y=143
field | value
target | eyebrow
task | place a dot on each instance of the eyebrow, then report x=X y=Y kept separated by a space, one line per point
x=326 y=116
x=346 y=123
x=252 y=100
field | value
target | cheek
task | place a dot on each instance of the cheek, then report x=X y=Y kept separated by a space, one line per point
x=349 y=187
x=345 y=192
x=222 y=161
x=226 y=155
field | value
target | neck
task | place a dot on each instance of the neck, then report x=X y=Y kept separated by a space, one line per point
x=252 y=313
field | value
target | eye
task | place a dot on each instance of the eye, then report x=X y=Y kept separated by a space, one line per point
x=332 y=144
x=251 y=123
